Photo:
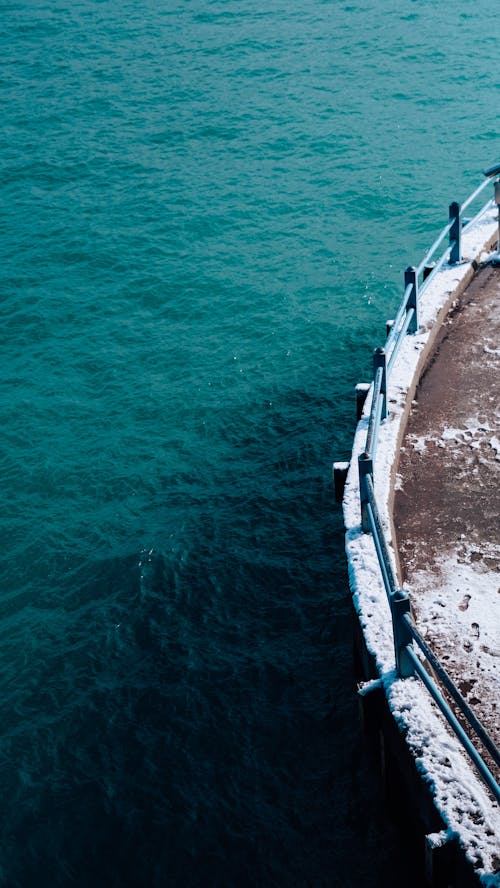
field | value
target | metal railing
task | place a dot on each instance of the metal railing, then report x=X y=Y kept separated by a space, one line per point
x=405 y=632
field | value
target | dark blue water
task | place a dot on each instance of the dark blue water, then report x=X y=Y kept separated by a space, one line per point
x=206 y=210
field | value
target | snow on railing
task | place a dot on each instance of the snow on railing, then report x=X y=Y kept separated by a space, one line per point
x=405 y=631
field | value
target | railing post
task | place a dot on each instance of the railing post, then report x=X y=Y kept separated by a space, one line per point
x=365 y=464
x=400 y=605
x=362 y=389
x=455 y=233
x=340 y=470
x=411 y=278
x=380 y=360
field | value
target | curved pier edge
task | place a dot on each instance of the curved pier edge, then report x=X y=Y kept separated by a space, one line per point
x=468 y=819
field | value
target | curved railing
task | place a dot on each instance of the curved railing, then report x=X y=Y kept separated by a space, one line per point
x=406 y=634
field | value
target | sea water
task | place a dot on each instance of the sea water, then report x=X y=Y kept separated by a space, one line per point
x=206 y=212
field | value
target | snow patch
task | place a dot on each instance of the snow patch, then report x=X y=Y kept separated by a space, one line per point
x=495 y=445
x=464 y=619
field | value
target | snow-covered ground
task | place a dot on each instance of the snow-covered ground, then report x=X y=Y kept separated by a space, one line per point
x=465 y=805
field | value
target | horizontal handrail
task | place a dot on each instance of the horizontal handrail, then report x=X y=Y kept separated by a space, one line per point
x=493 y=171
x=375 y=412
x=380 y=541
x=447 y=682
x=430 y=252
x=454 y=724
x=400 y=339
x=437 y=268
x=397 y=320
x=404 y=630
x=478 y=215
x=372 y=424
x=474 y=194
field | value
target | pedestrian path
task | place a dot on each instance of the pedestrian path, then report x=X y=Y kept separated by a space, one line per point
x=447 y=504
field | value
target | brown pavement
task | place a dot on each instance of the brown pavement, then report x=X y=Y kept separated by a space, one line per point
x=447 y=504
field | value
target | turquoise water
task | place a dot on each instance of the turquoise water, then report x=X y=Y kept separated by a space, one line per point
x=206 y=212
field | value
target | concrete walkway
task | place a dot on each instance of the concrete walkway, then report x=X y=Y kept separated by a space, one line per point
x=447 y=504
